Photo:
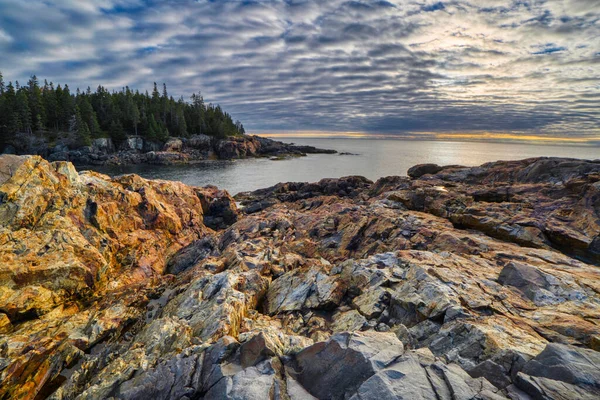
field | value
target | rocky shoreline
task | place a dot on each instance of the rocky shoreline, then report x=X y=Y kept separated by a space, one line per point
x=137 y=150
x=452 y=283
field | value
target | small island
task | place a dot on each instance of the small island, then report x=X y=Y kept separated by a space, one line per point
x=123 y=127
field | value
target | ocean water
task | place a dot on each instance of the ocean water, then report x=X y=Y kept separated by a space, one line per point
x=372 y=158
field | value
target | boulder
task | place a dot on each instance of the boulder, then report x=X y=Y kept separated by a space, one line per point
x=135 y=143
x=262 y=381
x=423 y=169
x=199 y=142
x=562 y=372
x=259 y=348
x=336 y=368
x=173 y=145
x=103 y=145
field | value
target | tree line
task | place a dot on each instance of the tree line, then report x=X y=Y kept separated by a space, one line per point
x=45 y=109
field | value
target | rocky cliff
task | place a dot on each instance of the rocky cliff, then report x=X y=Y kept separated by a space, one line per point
x=138 y=150
x=453 y=283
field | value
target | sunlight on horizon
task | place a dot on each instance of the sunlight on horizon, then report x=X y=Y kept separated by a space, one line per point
x=446 y=136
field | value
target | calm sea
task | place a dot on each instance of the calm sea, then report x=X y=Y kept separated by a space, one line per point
x=374 y=158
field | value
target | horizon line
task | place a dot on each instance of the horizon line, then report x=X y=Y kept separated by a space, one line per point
x=483 y=136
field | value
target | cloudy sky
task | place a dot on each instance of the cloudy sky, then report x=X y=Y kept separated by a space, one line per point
x=483 y=68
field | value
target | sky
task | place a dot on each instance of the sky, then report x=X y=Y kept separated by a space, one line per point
x=446 y=69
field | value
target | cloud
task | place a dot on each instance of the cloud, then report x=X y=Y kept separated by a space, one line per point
x=372 y=66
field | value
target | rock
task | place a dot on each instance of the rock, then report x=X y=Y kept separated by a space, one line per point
x=133 y=143
x=372 y=303
x=494 y=373
x=213 y=305
x=337 y=367
x=563 y=372
x=259 y=348
x=348 y=321
x=5 y=324
x=131 y=288
x=406 y=379
x=220 y=210
x=304 y=289
x=529 y=281
x=199 y=142
x=259 y=382
x=173 y=144
x=192 y=255
x=423 y=169
x=423 y=333
x=103 y=145
x=165 y=158
x=417 y=376
x=237 y=147
x=171 y=379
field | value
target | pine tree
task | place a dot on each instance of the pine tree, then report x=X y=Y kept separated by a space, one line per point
x=180 y=121
x=4 y=114
x=95 y=126
x=116 y=131
x=12 y=116
x=153 y=128
x=66 y=109
x=35 y=104
x=58 y=95
x=50 y=106
x=155 y=99
x=164 y=101
x=23 y=111
x=81 y=128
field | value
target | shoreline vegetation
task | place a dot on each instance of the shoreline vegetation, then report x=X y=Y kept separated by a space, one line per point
x=481 y=281
x=124 y=127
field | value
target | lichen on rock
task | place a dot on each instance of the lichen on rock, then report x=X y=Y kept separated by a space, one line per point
x=479 y=283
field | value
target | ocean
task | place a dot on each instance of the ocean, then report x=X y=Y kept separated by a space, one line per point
x=372 y=158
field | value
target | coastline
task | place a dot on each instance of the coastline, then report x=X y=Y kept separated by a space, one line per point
x=136 y=150
x=484 y=278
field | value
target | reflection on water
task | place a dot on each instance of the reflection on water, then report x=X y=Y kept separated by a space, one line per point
x=375 y=158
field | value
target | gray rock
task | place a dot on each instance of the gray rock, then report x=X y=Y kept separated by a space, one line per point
x=460 y=385
x=103 y=145
x=304 y=288
x=257 y=349
x=530 y=281
x=172 y=379
x=372 y=302
x=348 y=321
x=423 y=169
x=493 y=372
x=406 y=379
x=422 y=333
x=133 y=143
x=199 y=142
x=459 y=342
x=403 y=334
x=257 y=382
x=337 y=368
x=214 y=366
x=192 y=254
x=562 y=371
x=416 y=375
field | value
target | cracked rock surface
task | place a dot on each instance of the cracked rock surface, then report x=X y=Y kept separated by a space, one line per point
x=453 y=283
